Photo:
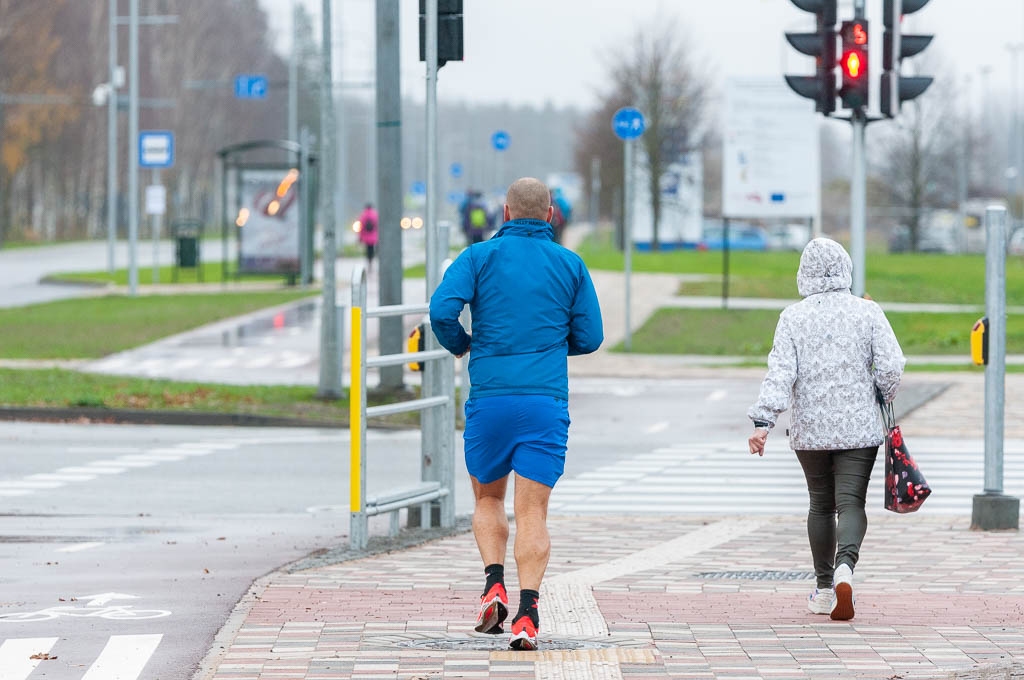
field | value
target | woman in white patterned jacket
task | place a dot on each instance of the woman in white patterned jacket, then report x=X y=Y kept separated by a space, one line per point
x=832 y=350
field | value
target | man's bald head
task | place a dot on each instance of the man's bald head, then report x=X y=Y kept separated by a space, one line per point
x=528 y=198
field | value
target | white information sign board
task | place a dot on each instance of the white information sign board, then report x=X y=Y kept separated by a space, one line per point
x=156 y=199
x=771 y=164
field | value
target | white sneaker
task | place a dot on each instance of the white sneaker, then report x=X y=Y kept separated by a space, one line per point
x=842 y=584
x=820 y=601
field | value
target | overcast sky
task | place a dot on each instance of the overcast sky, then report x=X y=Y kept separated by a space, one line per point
x=536 y=51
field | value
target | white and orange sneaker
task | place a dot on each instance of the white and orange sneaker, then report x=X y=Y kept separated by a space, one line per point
x=493 y=610
x=820 y=601
x=524 y=634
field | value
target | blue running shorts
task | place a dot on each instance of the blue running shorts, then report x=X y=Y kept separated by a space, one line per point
x=526 y=433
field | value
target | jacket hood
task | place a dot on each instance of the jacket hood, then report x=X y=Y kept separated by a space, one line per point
x=825 y=266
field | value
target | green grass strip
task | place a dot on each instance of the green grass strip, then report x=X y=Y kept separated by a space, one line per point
x=88 y=328
x=749 y=332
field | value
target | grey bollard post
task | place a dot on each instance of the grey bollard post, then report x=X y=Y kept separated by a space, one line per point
x=991 y=509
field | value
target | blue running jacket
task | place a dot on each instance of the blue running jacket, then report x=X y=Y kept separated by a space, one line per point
x=532 y=304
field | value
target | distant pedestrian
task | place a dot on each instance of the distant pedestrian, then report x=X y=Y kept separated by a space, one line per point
x=476 y=220
x=833 y=353
x=533 y=304
x=369 y=233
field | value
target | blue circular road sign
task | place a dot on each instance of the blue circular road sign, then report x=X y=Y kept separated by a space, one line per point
x=456 y=170
x=500 y=140
x=628 y=123
x=418 y=188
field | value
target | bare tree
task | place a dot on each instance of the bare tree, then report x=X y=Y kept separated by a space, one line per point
x=655 y=74
x=920 y=156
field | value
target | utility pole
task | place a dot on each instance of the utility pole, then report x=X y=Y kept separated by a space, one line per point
x=112 y=138
x=133 y=140
x=293 y=79
x=389 y=184
x=330 y=351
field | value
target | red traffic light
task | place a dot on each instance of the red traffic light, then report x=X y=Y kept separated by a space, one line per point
x=859 y=34
x=853 y=64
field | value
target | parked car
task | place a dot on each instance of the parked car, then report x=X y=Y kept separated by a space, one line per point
x=742 y=236
x=789 y=237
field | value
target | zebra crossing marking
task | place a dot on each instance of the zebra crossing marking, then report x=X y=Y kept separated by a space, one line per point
x=16 y=662
x=124 y=657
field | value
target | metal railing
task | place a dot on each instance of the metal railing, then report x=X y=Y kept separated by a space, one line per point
x=437 y=405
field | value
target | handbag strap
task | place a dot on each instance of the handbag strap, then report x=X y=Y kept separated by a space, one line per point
x=888 y=416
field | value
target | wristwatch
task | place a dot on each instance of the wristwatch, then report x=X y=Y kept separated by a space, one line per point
x=762 y=425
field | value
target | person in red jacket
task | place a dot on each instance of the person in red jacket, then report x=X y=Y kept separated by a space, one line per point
x=368 y=233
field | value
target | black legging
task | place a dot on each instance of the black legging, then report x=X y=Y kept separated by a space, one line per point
x=837 y=483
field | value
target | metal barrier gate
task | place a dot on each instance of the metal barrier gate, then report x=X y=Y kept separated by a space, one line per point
x=437 y=404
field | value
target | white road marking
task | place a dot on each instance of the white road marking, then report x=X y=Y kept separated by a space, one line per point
x=717 y=395
x=30 y=485
x=123 y=658
x=16 y=492
x=91 y=470
x=15 y=656
x=67 y=477
x=103 y=449
x=658 y=427
x=78 y=547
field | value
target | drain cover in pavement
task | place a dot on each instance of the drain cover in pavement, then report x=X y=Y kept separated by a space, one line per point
x=758 y=575
x=445 y=642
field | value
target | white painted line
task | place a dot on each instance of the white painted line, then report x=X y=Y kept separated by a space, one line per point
x=155 y=457
x=216 y=446
x=687 y=545
x=30 y=485
x=122 y=463
x=15 y=492
x=123 y=658
x=68 y=477
x=15 y=656
x=97 y=469
x=104 y=449
x=717 y=395
x=658 y=427
x=79 y=547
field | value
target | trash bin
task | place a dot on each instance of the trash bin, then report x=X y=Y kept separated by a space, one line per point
x=187 y=233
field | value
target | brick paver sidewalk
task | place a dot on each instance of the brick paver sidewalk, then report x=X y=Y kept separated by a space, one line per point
x=649 y=597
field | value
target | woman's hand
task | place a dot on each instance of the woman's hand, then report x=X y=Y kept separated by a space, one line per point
x=757 y=442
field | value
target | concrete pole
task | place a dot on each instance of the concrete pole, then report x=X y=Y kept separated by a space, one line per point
x=858 y=200
x=993 y=510
x=330 y=351
x=433 y=265
x=112 y=138
x=133 y=146
x=293 y=79
x=389 y=184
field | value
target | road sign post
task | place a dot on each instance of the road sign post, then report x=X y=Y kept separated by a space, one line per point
x=500 y=140
x=628 y=124
x=156 y=151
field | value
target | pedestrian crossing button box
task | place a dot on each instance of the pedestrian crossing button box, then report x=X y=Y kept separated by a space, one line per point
x=979 y=342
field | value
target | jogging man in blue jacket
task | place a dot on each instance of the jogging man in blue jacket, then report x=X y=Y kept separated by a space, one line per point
x=532 y=304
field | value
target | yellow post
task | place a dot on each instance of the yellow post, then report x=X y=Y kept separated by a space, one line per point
x=355 y=413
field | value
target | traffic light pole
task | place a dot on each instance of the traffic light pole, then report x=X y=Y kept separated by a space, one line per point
x=858 y=200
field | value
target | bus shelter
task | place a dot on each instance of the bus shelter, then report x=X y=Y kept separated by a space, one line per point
x=268 y=201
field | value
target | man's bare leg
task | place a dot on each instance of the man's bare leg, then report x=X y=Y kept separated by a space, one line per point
x=533 y=543
x=490 y=523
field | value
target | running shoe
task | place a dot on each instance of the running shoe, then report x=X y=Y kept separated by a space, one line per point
x=524 y=634
x=820 y=601
x=842 y=583
x=493 y=610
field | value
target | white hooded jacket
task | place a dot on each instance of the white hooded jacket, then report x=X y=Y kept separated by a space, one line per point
x=831 y=350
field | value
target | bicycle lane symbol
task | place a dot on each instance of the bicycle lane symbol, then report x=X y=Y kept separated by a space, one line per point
x=97 y=606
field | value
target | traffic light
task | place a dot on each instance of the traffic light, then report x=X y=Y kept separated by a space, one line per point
x=821 y=87
x=896 y=88
x=854 y=64
x=449 y=31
